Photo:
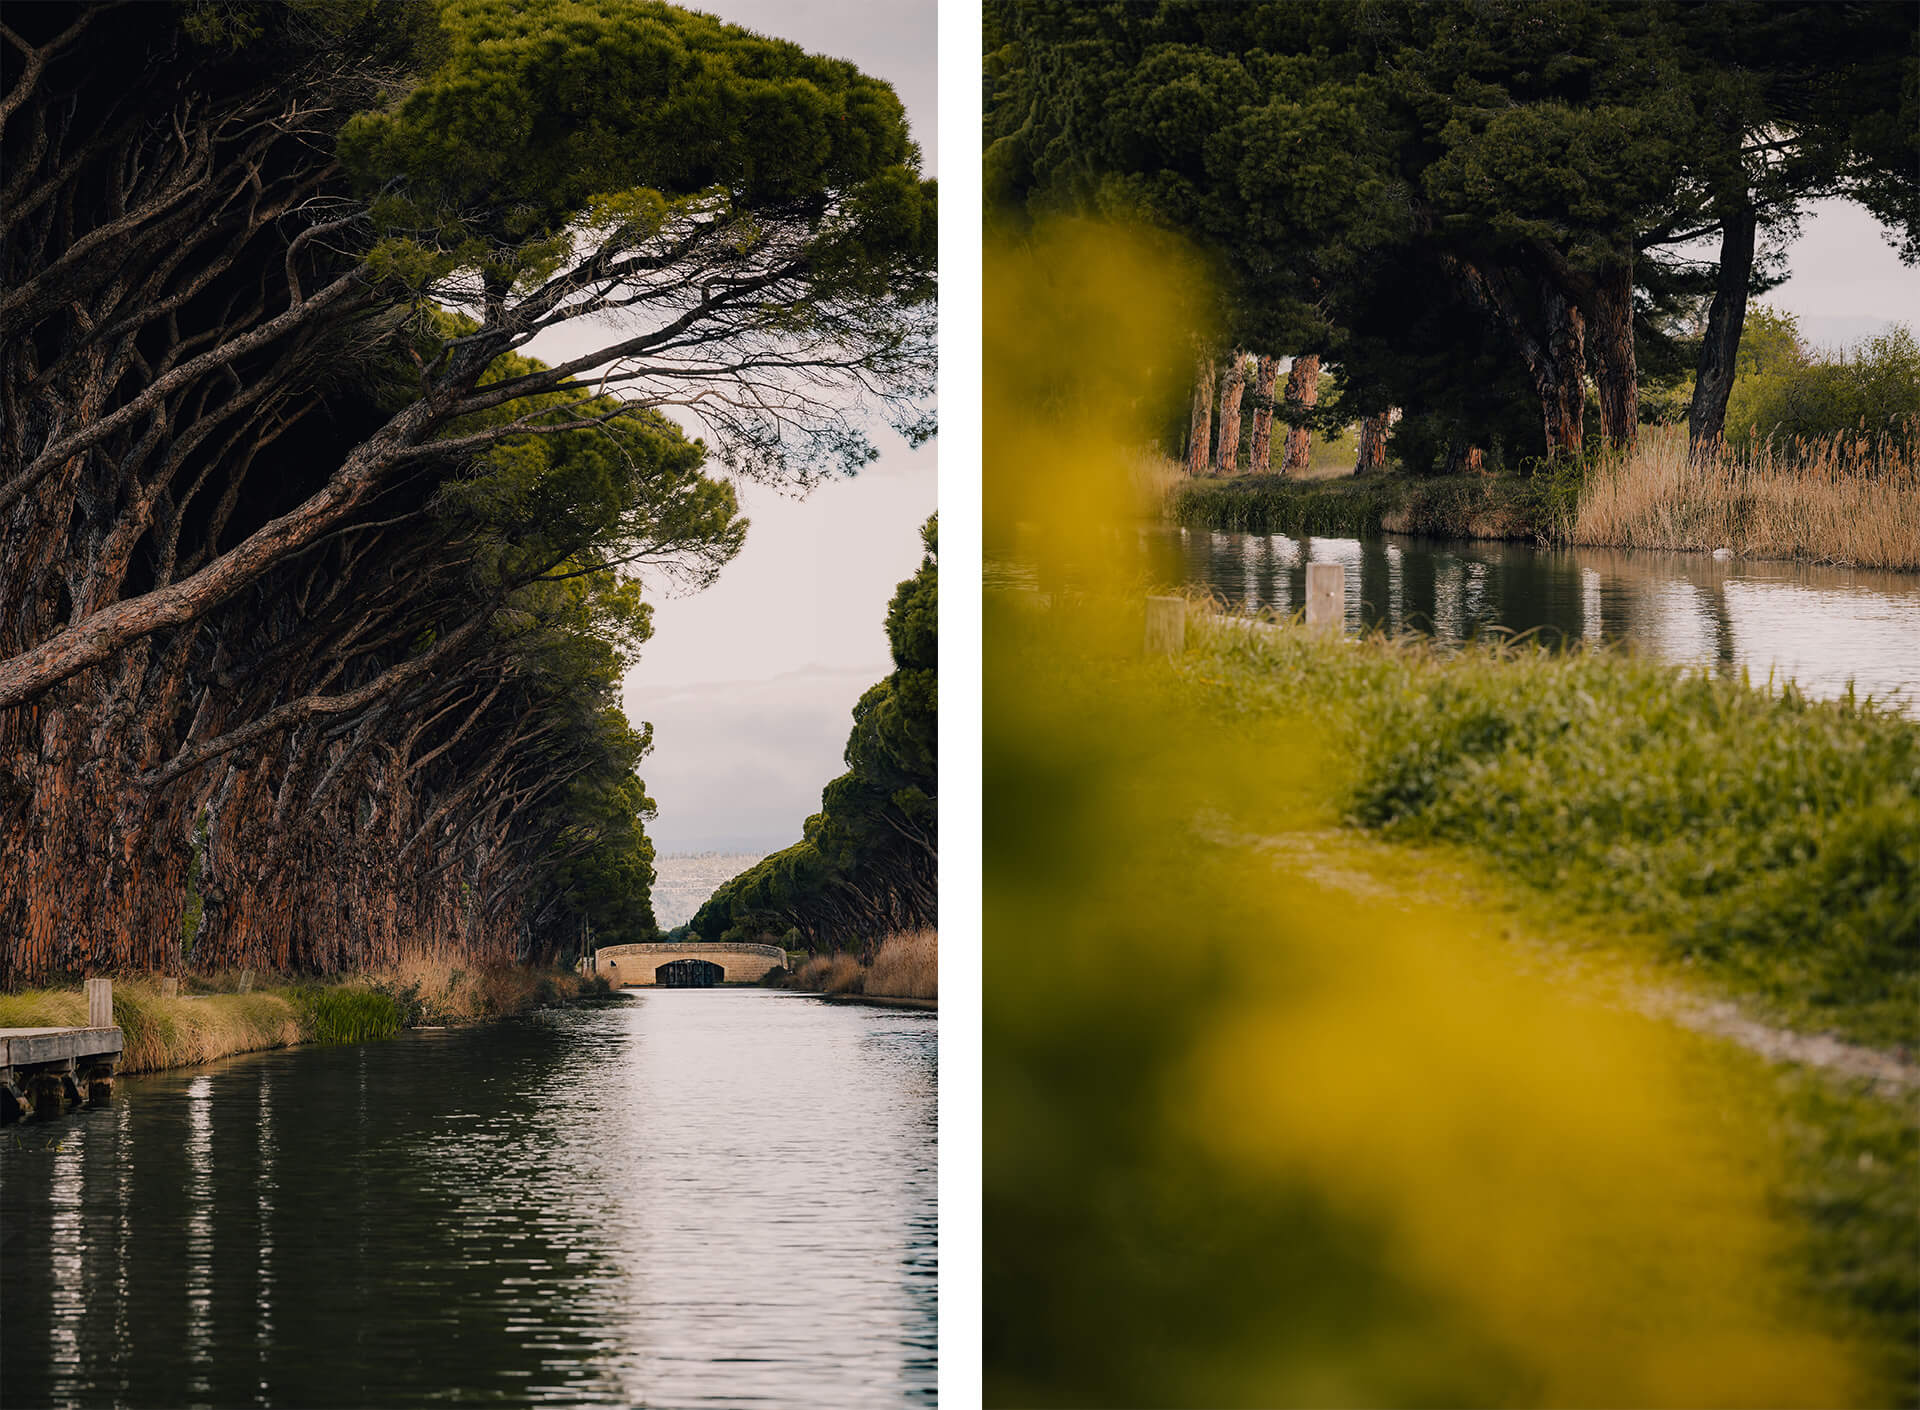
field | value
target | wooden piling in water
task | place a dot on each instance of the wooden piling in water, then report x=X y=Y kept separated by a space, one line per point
x=1326 y=597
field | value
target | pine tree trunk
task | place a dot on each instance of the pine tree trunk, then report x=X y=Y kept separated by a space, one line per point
x=1372 y=456
x=1713 y=377
x=1227 y=460
x=1559 y=374
x=1303 y=393
x=1200 y=428
x=1549 y=333
x=1615 y=376
x=1265 y=374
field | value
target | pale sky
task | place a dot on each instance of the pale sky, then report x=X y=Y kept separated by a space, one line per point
x=1844 y=280
x=750 y=685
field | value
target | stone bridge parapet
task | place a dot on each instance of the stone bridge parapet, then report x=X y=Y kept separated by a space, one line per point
x=633 y=966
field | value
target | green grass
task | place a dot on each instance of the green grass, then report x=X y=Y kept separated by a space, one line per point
x=1852 y=1158
x=1268 y=504
x=1772 y=841
x=346 y=1013
x=1194 y=976
x=1623 y=815
x=1528 y=508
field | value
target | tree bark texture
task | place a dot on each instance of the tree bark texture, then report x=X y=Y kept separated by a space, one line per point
x=1232 y=387
x=1303 y=394
x=1616 y=377
x=1200 y=427
x=1720 y=347
x=1266 y=372
x=1549 y=332
x=1371 y=457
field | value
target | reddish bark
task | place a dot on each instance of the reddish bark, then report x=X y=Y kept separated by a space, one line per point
x=1265 y=374
x=1371 y=458
x=1232 y=387
x=1200 y=429
x=1303 y=394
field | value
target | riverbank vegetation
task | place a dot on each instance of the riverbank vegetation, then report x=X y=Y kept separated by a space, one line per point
x=1843 y=499
x=316 y=590
x=905 y=966
x=1373 y=1025
x=868 y=865
x=1204 y=973
x=210 y=1017
x=1425 y=232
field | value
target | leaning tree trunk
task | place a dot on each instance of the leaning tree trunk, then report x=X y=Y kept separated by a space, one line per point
x=1200 y=431
x=1372 y=456
x=1265 y=373
x=1615 y=376
x=1713 y=377
x=1303 y=392
x=1548 y=331
x=1227 y=459
x=1560 y=377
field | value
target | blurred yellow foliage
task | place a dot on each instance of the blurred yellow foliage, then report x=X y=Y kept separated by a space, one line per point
x=1253 y=1137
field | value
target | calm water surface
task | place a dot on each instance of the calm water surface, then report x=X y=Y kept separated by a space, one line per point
x=1822 y=627
x=696 y=1197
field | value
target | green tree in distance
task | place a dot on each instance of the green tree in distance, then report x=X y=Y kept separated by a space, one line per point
x=868 y=864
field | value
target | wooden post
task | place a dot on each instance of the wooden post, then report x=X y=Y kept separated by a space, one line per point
x=170 y=987
x=1326 y=597
x=246 y=981
x=1166 y=626
x=99 y=1003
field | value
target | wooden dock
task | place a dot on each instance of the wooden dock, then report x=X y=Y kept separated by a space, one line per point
x=43 y=1070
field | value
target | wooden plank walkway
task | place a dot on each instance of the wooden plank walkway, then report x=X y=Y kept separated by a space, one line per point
x=43 y=1069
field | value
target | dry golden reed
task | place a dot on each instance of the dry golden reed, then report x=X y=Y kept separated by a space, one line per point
x=1837 y=499
x=907 y=967
x=166 y=1032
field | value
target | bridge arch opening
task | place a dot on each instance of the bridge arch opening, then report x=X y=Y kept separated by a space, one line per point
x=689 y=974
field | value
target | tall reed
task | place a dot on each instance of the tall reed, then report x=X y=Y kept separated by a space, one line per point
x=1834 y=499
x=907 y=967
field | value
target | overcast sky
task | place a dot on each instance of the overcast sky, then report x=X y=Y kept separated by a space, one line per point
x=1844 y=281
x=750 y=685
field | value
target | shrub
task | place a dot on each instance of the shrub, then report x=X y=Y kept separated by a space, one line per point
x=1788 y=392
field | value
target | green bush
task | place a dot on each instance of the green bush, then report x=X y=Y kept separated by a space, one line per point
x=1785 y=391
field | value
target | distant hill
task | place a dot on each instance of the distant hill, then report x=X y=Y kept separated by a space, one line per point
x=682 y=880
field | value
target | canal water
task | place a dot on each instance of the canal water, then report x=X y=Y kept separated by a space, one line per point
x=693 y=1197
x=1821 y=627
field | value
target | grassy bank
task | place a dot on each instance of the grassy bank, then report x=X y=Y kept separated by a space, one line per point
x=1827 y=500
x=1456 y=506
x=210 y=1019
x=906 y=966
x=1316 y=955
x=1768 y=840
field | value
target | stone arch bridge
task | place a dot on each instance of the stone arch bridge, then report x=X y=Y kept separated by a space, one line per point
x=689 y=964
